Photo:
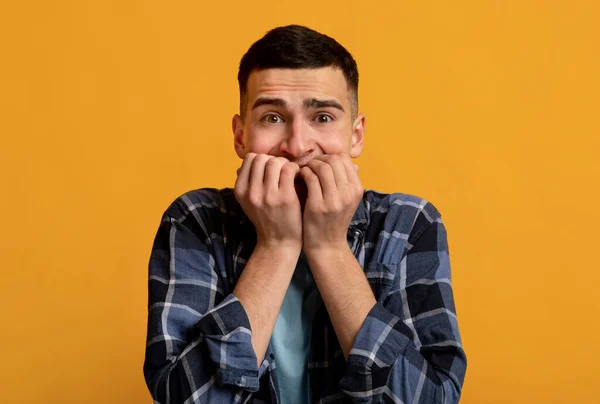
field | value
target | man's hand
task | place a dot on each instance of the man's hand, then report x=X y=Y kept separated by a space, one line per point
x=265 y=190
x=334 y=191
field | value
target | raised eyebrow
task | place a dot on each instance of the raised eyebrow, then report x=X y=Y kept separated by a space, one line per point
x=277 y=102
x=313 y=103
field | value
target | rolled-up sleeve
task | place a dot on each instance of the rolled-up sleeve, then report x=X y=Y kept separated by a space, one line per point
x=199 y=341
x=409 y=348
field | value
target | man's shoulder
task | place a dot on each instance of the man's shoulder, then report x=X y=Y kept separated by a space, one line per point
x=400 y=211
x=205 y=202
x=398 y=201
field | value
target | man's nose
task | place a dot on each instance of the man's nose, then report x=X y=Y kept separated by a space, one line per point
x=298 y=141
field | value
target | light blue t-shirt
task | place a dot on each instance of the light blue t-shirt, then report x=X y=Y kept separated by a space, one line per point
x=292 y=334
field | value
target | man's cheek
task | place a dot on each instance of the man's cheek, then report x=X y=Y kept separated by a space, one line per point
x=261 y=141
x=334 y=145
x=259 y=147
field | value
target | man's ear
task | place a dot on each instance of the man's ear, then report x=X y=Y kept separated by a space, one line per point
x=237 y=125
x=358 y=136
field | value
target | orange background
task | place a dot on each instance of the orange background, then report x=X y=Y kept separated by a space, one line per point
x=111 y=109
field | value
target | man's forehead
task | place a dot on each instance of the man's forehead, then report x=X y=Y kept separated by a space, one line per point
x=325 y=81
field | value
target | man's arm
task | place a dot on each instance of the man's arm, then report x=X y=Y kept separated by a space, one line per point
x=334 y=191
x=345 y=291
x=261 y=289
x=201 y=350
x=199 y=343
x=407 y=348
x=265 y=190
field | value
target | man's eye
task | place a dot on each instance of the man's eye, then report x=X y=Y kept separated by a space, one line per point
x=323 y=118
x=272 y=118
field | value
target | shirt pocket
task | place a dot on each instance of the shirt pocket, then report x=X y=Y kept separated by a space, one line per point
x=381 y=277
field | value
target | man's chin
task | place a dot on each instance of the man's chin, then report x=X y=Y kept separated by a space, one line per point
x=301 y=191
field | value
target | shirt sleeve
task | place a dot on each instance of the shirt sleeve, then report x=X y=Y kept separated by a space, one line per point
x=408 y=349
x=199 y=340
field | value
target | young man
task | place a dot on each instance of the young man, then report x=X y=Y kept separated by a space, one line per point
x=297 y=286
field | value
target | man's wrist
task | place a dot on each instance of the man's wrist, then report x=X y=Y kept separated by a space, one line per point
x=344 y=289
x=278 y=251
x=323 y=255
x=279 y=248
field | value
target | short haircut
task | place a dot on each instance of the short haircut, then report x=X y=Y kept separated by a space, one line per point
x=297 y=47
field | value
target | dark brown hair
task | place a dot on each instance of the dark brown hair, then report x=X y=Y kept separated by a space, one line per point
x=297 y=47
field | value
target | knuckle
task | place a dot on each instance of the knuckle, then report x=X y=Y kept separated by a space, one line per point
x=288 y=168
x=271 y=163
x=271 y=199
x=291 y=166
x=255 y=198
x=262 y=158
x=237 y=192
x=324 y=168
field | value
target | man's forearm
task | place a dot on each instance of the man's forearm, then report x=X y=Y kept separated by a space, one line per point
x=261 y=289
x=345 y=291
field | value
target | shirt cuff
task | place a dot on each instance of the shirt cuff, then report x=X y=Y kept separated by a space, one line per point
x=228 y=337
x=381 y=340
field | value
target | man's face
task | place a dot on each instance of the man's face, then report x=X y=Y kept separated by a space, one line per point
x=298 y=114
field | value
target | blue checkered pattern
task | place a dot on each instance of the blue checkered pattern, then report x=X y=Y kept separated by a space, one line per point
x=199 y=347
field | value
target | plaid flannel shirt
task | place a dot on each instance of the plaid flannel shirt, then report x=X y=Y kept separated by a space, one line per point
x=199 y=347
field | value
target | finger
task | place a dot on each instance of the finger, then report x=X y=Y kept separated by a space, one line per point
x=244 y=172
x=352 y=173
x=257 y=173
x=339 y=171
x=289 y=171
x=324 y=172
x=315 y=193
x=272 y=172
